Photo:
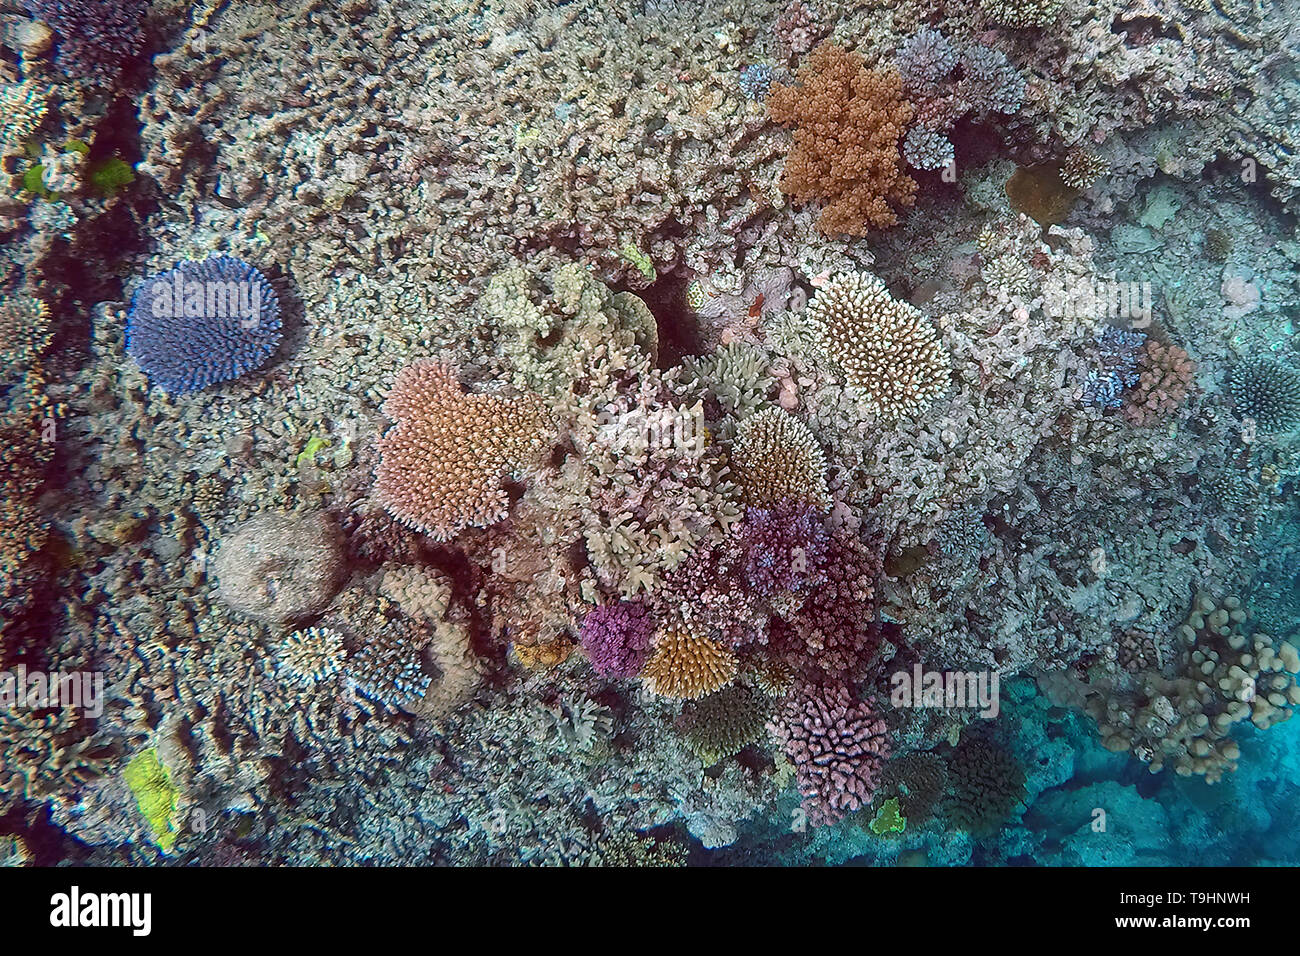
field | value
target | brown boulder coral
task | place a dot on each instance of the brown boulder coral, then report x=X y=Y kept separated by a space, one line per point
x=278 y=568
x=848 y=120
x=441 y=465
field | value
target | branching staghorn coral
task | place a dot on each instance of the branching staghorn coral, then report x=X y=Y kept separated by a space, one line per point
x=776 y=458
x=888 y=350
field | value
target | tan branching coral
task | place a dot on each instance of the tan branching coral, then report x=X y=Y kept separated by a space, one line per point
x=888 y=349
x=1166 y=377
x=1022 y=14
x=441 y=465
x=685 y=666
x=848 y=120
x=1227 y=674
x=22 y=107
x=26 y=438
x=777 y=457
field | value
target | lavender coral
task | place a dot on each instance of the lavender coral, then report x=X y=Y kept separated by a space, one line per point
x=616 y=638
x=838 y=746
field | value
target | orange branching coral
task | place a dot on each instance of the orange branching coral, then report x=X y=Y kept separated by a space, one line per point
x=1166 y=378
x=442 y=462
x=687 y=667
x=848 y=121
x=775 y=458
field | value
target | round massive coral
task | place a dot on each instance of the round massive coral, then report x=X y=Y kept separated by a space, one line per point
x=202 y=323
x=887 y=349
x=441 y=465
x=1268 y=392
x=838 y=747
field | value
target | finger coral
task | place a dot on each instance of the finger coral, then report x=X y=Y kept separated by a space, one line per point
x=1164 y=381
x=848 y=120
x=442 y=463
x=888 y=350
x=838 y=746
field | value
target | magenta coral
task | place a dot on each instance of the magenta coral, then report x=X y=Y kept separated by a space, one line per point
x=617 y=638
x=837 y=626
x=838 y=747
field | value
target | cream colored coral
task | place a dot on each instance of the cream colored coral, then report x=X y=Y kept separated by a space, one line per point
x=888 y=350
x=775 y=457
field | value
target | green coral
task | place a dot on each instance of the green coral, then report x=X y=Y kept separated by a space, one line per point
x=110 y=176
x=889 y=820
x=34 y=182
x=314 y=444
x=644 y=264
x=155 y=795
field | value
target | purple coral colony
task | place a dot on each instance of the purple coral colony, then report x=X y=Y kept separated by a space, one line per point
x=649 y=432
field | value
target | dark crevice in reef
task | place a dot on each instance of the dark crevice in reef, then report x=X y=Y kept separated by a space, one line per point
x=680 y=333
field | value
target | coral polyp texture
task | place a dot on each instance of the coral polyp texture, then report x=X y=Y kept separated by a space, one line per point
x=442 y=463
x=687 y=666
x=888 y=350
x=848 y=120
x=95 y=41
x=646 y=432
x=776 y=458
x=838 y=747
x=1268 y=392
x=201 y=323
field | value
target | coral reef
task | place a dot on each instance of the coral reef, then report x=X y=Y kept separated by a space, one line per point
x=848 y=120
x=624 y=396
x=202 y=323
x=441 y=464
